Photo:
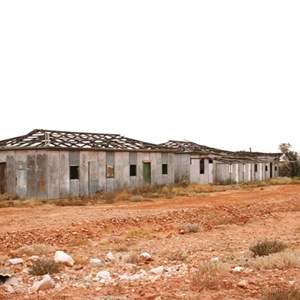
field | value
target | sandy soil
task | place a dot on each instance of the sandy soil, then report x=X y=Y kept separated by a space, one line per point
x=229 y=223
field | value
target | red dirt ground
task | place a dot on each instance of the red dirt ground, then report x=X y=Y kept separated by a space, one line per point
x=230 y=222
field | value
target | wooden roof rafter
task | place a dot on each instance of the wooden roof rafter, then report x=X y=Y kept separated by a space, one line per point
x=40 y=138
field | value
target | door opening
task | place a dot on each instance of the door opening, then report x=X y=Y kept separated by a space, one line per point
x=147 y=172
x=2 y=178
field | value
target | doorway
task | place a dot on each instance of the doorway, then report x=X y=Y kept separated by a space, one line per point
x=2 y=178
x=147 y=172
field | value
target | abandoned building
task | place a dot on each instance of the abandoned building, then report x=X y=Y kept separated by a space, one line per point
x=57 y=164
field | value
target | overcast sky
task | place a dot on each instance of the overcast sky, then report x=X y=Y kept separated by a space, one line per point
x=224 y=74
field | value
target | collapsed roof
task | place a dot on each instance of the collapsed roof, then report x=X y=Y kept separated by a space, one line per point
x=40 y=138
x=47 y=139
x=221 y=155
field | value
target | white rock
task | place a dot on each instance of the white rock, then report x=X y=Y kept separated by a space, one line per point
x=133 y=277
x=157 y=271
x=16 y=261
x=46 y=283
x=104 y=276
x=96 y=262
x=88 y=278
x=110 y=256
x=58 y=286
x=62 y=257
x=9 y=288
x=12 y=281
x=34 y=258
x=243 y=283
x=146 y=256
x=237 y=269
x=215 y=259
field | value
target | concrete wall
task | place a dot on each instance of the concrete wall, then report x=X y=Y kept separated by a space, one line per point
x=181 y=167
x=244 y=172
x=204 y=177
x=48 y=174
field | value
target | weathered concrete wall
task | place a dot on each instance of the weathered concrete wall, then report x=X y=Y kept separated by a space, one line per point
x=47 y=174
x=195 y=174
x=53 y=175
x=181 y=167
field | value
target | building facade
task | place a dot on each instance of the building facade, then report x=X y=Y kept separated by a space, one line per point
x=58 y=164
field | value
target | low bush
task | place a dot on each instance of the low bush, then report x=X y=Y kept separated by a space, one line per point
x=268 y=247
x=208 y=276
x=36 y=249
x=290 y=293
x=282 y=260
x=44 y=266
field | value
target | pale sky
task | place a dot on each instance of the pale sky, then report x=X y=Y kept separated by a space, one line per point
x=224 y=74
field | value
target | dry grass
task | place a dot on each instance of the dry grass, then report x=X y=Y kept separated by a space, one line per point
x=188 y=228
x=142 y=193
x=80 y=260
x=177 y=255
x=8 y=197
x=138 y=233
x=136 y=198
x=268 y=247
x=122 y=196
x=36 y=249
x=282 y=260
x=290 y=293
x=208 y=276
x=44 y=266
x=78 y=241
x=132 y=258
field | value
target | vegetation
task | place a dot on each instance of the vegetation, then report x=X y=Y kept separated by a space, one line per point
x=281 y=261
x=290 y=293
x=44 y=266
x=141 y=194
x=290 y=167
x=268 y=247
x=208 y=276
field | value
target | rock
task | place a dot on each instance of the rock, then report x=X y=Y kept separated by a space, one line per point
x=12 y=281
x=104 y=276
x=34 y=258
x=62 y=257
x=157 y=271
x=133 y=277
x=242 y=284
x=215 y=259
x=146 y=256
x=237 y=269
x=110 y=256
x=96 y=262
x=46 y=283
x=9 y=288
x=5 y=274
x=16 y=261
